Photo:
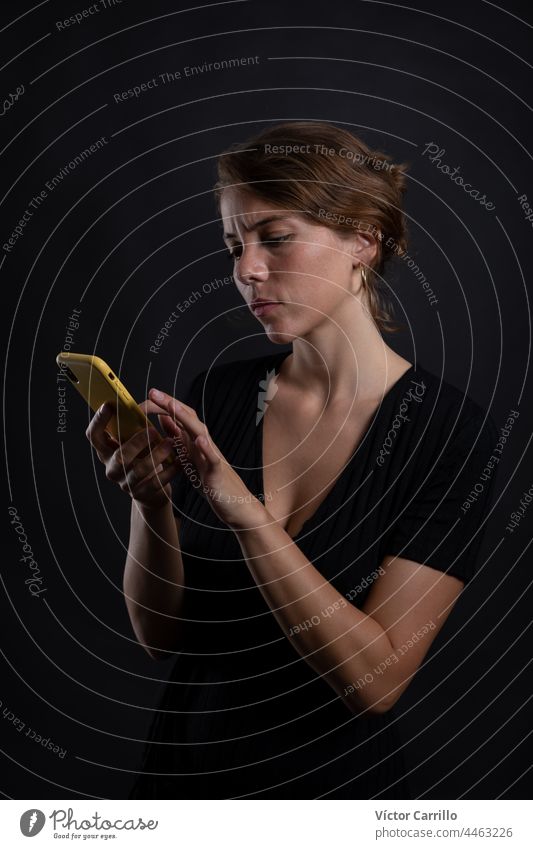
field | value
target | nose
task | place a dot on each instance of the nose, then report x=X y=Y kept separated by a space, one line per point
x=251 y=267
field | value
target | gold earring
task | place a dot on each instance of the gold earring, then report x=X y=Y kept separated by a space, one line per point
x=364 y=275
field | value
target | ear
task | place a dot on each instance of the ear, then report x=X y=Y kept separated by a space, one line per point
x=364 y=248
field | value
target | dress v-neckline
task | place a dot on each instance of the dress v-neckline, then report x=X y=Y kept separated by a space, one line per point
x=276 y=360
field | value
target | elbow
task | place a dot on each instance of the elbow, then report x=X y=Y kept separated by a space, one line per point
x=381 y=707
x=159 y=654
x=371 y=702
x=163 y=649
x=153 y=654
x=167 y=643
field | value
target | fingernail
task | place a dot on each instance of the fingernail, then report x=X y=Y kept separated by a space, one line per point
x=156 y=394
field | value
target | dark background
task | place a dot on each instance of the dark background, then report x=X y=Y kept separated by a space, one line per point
x=133 y=230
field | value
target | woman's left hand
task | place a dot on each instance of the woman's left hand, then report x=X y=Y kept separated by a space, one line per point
x=218 y=482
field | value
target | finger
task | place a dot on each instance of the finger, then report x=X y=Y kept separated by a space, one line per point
x=184 y=415
x=186 y=441
x=158 y=479
x=172 y=406
x=139 y=445
x=96 y=433
x=123 y=457
x=145 y=467
x=149 y=407
x=169 y=426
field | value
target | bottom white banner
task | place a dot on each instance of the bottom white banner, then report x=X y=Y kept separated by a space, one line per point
x=267 y=823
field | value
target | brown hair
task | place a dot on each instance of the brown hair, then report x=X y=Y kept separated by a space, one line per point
x=332 y=177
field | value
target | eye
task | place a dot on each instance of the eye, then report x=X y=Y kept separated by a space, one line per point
x=276 y=240
x=272 y=240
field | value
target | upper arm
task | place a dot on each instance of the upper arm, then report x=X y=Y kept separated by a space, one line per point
x=442 y=514
x=177 y=520
x=433 y=546
x=411 y=602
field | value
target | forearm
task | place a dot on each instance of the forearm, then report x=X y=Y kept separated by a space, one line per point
x=153 y=579
x=340 y=642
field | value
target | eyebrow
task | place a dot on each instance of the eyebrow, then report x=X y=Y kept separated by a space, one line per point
x=258 y=224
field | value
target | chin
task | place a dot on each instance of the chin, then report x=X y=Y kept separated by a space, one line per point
x=283 y=330
x=279 y=337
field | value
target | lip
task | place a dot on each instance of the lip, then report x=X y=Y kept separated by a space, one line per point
x=260 y=306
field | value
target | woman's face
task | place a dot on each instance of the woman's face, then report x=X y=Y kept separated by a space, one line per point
x=280 y=256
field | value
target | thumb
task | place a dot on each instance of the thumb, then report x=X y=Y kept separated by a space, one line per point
x=208 y=450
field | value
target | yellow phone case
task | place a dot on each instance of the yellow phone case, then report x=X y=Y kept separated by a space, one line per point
x=96 y=382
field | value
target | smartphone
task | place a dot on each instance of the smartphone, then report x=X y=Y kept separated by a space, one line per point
x=96 y=382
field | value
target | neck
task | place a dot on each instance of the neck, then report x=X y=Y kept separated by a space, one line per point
x=333 y=364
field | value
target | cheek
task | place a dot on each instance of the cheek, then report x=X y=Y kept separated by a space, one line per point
x=320 y=259
x=324 y=273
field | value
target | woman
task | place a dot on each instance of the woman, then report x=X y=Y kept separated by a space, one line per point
x=315 y=542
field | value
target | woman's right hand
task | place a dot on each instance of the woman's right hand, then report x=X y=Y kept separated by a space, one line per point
x=136 y=464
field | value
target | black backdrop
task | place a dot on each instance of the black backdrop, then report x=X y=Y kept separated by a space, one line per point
x=127 y=232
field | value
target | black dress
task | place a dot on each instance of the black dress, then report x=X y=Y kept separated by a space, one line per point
x=243 y=715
